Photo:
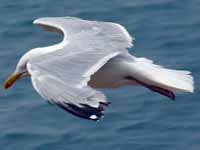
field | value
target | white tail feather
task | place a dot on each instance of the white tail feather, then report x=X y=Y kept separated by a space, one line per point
x=174 y=80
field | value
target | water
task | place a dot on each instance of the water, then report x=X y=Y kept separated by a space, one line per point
x=166 y=31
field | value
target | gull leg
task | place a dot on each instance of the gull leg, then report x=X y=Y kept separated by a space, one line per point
x=157 y=89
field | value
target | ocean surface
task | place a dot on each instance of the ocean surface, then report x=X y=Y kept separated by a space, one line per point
x=167 y=31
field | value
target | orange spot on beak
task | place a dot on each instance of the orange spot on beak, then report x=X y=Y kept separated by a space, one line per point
x=11 y=80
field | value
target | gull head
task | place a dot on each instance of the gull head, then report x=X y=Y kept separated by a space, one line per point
x=20 y=71
x=21 y=68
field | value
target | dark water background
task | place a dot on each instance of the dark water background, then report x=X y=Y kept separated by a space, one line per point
x=167 y=31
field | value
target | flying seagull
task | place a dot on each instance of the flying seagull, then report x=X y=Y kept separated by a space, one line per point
x=92 y=55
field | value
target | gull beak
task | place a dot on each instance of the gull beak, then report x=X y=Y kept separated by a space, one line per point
x=11 y=80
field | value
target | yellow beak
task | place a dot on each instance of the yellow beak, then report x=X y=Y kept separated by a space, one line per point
x=11 y=79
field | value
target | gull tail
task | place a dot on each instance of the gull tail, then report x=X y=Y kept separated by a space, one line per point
x=162 y=80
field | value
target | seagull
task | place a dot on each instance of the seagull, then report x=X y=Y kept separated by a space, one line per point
x=92 y=55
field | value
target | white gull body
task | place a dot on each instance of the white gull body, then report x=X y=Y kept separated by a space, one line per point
x=93 y=55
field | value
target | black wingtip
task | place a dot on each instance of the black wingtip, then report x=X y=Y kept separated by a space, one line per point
x=172 y=96
x=105 y=103
x=84 y=111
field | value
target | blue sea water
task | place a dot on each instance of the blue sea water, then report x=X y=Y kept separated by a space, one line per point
x=167 y=31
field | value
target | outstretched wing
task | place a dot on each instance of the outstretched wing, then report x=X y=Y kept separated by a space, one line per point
x=84 y=102
x=61 y=75
x=93 y=34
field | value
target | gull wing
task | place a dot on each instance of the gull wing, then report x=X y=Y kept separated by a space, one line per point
x=86 y=47
x=83 y=102
x=61 y=75
x=88 y=33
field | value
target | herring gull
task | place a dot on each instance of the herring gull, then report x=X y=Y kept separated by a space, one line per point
x=92 y=55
